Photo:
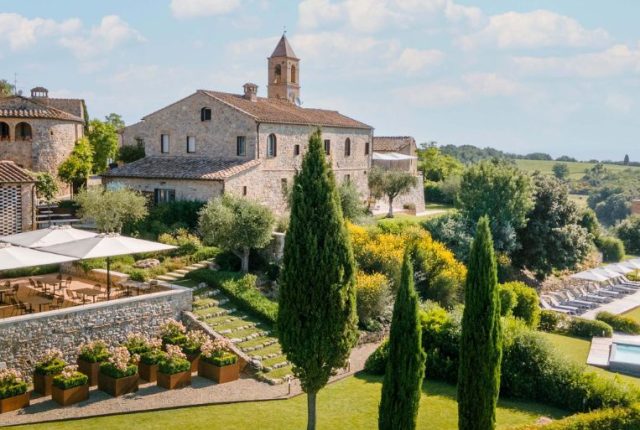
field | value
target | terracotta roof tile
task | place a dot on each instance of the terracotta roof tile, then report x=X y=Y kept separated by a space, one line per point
x=21 y=107
x=11 y=172
x=176 y=167
x=280 y=111
x=392 y=143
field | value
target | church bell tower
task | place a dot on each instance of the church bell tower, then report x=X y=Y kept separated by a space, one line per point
x=284 y=73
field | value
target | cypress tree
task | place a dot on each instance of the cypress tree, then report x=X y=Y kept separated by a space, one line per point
x=402 y=384
x=481 y=339
x=317 y=323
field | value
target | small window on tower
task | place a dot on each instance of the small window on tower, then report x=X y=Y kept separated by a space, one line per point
x=294 y=74
x=296 y=150
x=347 y=147
x=277 y=74
x=244 y=190
x=241 y=146
x=366 y=148
x=327 y=147
x=272 y=146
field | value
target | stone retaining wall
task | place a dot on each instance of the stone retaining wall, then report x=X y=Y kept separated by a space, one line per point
x=23 y=339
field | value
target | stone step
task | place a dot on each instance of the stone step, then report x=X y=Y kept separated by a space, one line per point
x=166 y=277
x=181 y=271
x=256 y=344
x=175 y=275
x=238 y=337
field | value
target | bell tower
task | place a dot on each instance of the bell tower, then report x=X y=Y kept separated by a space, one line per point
x=284 y=73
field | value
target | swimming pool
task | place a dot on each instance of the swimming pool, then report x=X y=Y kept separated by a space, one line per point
x=625 y=358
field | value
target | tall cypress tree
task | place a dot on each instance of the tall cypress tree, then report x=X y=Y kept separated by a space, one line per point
x=481 y=340
x=402 y=384
x=317 y=323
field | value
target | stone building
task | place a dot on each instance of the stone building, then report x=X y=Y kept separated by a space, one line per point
x=39 y=132
x=17 y=198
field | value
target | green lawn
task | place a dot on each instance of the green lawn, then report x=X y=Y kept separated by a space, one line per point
x=633 y=313
x=576 y=170
x=348 y=404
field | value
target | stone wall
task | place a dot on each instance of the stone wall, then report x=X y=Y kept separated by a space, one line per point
x=23 y=339
x=185 y=189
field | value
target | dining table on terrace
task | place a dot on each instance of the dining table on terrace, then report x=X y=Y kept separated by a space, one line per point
x=91 y=292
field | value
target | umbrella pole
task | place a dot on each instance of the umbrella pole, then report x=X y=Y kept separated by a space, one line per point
x=108 y=278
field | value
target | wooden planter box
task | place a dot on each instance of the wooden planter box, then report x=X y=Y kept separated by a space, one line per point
x=16 y=402
x=118 y=387
x=42 y=383
x=70 y=396
x=91 y=370
x=148 y=372
x=177 y=380
x=219 y=374
x=194 y=360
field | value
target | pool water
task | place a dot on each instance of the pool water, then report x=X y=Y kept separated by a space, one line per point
x=626 y=353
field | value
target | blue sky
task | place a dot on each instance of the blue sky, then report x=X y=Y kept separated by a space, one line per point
x=555 y=76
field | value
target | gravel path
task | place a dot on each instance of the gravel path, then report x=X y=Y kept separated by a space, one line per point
x=150 y=397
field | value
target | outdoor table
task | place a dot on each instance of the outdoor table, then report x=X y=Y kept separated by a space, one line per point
x=39 y=300
x=92 y=292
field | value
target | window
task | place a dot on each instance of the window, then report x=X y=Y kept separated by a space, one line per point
x=296 y=150
x=241 y=146
x=4 y=131
x=164 y=143
x=327 y=146
x=347 y=178
x=366 y=148
x=347 y=147
x=23 y=131
x=272 y=146
x=277 y=74
x=205 y=114
x=293 y=74
x=191 y=144
x=164 y=195
x=244 y=190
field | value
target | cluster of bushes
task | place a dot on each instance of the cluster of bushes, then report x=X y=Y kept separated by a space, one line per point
x=530 y=368
x=619 y=322
x=444 y=192
x=373 y=294
x=551 y=321
x=604 y=419
x=611 y=247
x=166 y=218
x=241 y=289
x=520 y=301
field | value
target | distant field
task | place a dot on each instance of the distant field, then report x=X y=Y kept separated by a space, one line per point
x=576 y=169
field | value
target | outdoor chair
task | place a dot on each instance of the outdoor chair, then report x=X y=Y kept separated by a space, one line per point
x=595 y=297
x=572 y=300
x=554 y=302
x=57 y=303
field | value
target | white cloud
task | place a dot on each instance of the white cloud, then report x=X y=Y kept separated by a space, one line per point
x=111 y=33
x=20 y=32
x=537 y=29
x=432 y=95
x=490 y=84
x=413 y=60
x=619 y=102
x=199 y=8
x=616 y=60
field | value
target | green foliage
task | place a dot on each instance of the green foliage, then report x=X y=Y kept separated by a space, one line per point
x=436 y=166
x=604 y=419
x=500 y=191
x=76 y=379
x=225 y=359
x=552 y=238
x=30 y=271
x=46 y=186
x=581 y=327
x=236 y=224
x=317 y=321
x=131 y=153
x=94 y=352
x=115 y=121
x=103 y=138
x=550 y=320
x=619 y=322
x=76 y=169
x=402 y=385
x=166 y=218
x=451 y=229
x=589 y=221
x=372 y=296
x=171 y=367
x=390 y=184
x=481 y=338
x=6 y=88
x=241 y=290
x=111 y=370
x=629 y=232
x=376 y=363
x=111 y=209
x=138 y=275
x=351 y=202
x=561 y=171
x=538 y=156
x=151 y=357
x=186 y=242
x=527 y=306
x=51 y=367
x=612 y=248
x=508 y=300
x=445 y=191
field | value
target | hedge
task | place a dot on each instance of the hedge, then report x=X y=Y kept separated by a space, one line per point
x=604 y=419
x=241 y=289
x=581 y=327
x=550 y=321
x=527 y=306
x=619 y=322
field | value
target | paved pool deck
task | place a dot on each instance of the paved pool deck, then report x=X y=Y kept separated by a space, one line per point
x=616 y=307
x=601 y=348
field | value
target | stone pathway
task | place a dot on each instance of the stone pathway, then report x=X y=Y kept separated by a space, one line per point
x=181 y=273
x=150 y=397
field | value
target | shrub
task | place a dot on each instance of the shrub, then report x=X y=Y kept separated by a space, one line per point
x=228 y=262
x=372 y=295
x=225 y=359
x=193 y=342
x=377 y=362
x=138 y=343
x=508 y=300
x=186 y=242
x=173 y=361
x=70 y=378
x=30 y=271
x=629 y=232
x=603 y=419
x=11 y=383
x=527 y=306
x=550 y=320
x=139 y=275
x=241 y=290
x=167 y=217
x=51 y=363
x=94 y=352
x=172 y=332
x=612 y=248
x=581 y=327
x=619 y=322
x=151 y=357
x=204 y=253
x=215 y=352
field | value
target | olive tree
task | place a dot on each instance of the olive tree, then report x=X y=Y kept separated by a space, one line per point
x=111 y=209
x=390 y=184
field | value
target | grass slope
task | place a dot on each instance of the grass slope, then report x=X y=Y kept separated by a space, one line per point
x=633 y=313
x=576 y=169
x=349 y=404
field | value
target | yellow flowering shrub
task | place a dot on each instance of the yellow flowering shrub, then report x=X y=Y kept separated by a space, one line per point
x=372 y=290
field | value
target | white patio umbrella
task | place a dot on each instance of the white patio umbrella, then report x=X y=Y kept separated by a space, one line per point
x=47 y=236
x=589 y=275
x=106 y=245
x=17 y=257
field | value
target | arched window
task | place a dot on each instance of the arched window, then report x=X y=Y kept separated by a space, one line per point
x=277 y=74
x=272 y=146
x=294 y=73
x=4 y=131
x=23 y=131
x=205 y=114
x=347 y=147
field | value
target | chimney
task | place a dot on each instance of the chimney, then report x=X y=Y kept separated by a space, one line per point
x=250 y=91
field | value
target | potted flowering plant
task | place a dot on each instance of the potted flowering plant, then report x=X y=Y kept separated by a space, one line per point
x=13 y=391
x=90 y=355
x=49 y=365
x=119 y=374
x=174 y=370
x=70 y=386
x=172 y=332
x=191 y=347
x=150 y=353
x=217 y=363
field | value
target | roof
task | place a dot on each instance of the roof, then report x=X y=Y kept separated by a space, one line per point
x=181 y=167
x=283 y=49
x=279 y=111
x=11 y=172
x=22 y=107
x=392 y=143
x=73 y=106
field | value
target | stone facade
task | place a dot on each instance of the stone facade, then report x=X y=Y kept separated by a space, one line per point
x=17 y=197
x=23 y=339
x=185 y=189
